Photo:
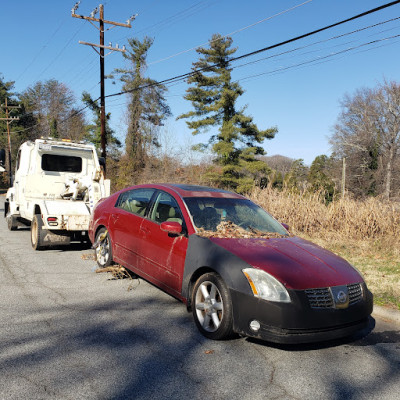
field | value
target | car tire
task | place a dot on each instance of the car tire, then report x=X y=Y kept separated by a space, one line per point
x=12 y=222
x=103 y=251
x=212 y=307
x=37 y=233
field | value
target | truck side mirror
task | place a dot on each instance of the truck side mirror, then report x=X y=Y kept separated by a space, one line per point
x=2 y=157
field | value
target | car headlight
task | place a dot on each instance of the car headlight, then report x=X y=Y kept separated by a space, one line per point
x=266 y=286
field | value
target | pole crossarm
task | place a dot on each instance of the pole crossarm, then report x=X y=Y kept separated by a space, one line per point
x=104 y=21
x=100 y=52
x=10 y=119
x=93 y=45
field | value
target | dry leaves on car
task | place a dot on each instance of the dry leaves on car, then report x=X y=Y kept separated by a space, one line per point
x=227 y=229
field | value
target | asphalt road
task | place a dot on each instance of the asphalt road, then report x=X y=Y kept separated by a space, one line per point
x=69 y=333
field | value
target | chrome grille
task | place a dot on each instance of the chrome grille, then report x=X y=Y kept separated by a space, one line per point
x=320 y=298
x=355 y=293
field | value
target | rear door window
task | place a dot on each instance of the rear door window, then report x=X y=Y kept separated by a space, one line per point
x=57 y=163
x=135 y=201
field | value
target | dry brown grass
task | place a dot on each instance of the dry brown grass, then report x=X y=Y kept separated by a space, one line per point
x=366 y=233
x=344 y=218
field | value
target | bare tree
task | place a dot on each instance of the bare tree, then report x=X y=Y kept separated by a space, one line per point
x=368 y=135
x=279 y=163
x=50 y=103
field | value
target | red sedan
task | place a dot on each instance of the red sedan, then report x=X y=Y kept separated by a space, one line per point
x=231 y=263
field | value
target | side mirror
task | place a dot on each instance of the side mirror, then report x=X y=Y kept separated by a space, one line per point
x=2 y=157
x=171 y=227
x=286 y=226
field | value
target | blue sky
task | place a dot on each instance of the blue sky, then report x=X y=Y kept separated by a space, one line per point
x=299 y=91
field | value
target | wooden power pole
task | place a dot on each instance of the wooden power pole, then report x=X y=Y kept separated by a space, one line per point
x=9 y=119
x=102 y=47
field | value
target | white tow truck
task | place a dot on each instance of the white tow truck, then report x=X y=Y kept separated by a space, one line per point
x=56 y=186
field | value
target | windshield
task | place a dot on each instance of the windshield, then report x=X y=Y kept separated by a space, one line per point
x=217 y=214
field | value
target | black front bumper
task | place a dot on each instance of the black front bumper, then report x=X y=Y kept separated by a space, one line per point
x=297 y=322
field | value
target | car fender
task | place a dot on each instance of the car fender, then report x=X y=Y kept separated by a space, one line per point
x=202 y=254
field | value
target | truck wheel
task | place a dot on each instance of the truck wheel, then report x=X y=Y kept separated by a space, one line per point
x=103 y=251
x=12 y=222
x=37 y=233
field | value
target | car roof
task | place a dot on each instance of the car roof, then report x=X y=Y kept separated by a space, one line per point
x=185 y=190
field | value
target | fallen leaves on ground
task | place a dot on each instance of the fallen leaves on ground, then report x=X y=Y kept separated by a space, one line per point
x=117 y=271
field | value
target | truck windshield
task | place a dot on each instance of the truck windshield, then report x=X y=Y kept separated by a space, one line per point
x=57 y=163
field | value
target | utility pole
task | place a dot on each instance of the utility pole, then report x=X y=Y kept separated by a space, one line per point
x=102 y=47
x=9 y=119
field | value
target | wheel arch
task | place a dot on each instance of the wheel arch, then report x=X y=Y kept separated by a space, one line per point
x=202 y=256
x=98 y=229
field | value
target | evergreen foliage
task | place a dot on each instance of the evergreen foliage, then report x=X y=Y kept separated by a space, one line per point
x=93 y=131
x=213 y=96
x=319 y=179
x=295 y=179
x=6 y=92
x=147 y=108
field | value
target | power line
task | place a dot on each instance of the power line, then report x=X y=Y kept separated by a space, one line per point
x=170 y=19
x=320 y=59
x=320 y=41
x=232 y=33
x=188 y=74
x=184 y=17
x=59 y=54
x=102 y=22
x=314 y=61
x=40 y=51
x=182 y=77
x=374 y=10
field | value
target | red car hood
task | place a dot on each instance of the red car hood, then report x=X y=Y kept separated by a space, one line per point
x=295 y=262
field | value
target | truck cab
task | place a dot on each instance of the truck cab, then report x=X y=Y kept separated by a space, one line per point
x=56 y=185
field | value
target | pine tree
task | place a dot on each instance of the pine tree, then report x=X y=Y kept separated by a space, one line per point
x=93 y=132
x=319 y=179
x=213 y=96
x=147 y=107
